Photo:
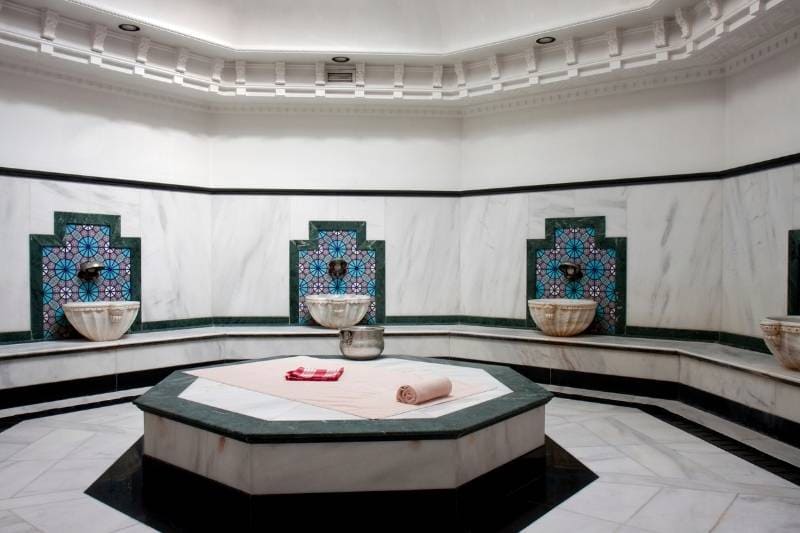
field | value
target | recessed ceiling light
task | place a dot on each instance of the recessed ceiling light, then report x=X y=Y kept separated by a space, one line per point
x=546 y=40
x=129 y=27
x=340 y=59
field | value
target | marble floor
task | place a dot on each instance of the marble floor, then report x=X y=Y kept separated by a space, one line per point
x=653 y=477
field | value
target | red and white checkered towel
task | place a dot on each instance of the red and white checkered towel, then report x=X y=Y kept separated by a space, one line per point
x=314 y=374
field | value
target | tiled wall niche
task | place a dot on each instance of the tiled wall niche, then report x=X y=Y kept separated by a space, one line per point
x=55 y=262
x=581 y=240
x=340 y=240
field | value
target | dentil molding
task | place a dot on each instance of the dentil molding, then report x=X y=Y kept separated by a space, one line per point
x=650 y=77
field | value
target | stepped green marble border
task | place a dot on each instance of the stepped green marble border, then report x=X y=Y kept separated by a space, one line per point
x=60 y=221
x=208 y=321
x=314 y=227
x=10 y=337
x=618 y=244
x=745 y=342
x=700 y=335
x=163 y=400
x=793 y=291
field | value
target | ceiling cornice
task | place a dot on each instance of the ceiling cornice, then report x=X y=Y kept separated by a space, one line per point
x=709 y=33
x=558 y=93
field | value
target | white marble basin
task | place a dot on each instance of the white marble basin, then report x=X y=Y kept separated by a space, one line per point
x=782 y=335
x=338 y=311
x=101 y=321
x=562 y=317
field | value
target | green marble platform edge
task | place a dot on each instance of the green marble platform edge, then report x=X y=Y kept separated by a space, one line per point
x=163 y=400
x=793 y=281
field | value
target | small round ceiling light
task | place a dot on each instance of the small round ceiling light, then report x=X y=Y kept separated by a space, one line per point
x=129 y=27
x=340 y=59
x=546 y=40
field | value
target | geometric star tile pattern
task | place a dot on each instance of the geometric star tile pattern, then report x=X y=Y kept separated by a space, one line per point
x=577 y=245
x=582 y=241
x=313 y=276
x=309 y=262
x=60 y=281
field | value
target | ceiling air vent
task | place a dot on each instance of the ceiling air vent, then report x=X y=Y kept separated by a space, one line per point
x=340 y=74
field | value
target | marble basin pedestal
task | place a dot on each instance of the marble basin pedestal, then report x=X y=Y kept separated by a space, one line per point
x=562 y=317
x=209 y=436
x=101 y=321
x=782 y=336
x=337 y=311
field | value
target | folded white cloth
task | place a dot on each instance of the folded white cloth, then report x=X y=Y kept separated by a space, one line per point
x=423 y=390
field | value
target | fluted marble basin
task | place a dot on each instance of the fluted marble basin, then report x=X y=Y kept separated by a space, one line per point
x=782 y=335
x=562 y=317
x=338 y=311
x=101 y=321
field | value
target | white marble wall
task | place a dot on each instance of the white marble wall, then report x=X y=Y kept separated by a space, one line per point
x=14 y=230
x=674 y=250
x=176 y=255
x=707 y=255
x=758 y=211
x=422 y=256
x=493 y=249
x=250 y=237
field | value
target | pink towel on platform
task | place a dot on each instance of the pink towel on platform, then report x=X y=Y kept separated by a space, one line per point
x=314 y=374
x=362 y=390
x=424 y=390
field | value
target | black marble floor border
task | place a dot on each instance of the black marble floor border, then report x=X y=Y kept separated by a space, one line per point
x=774 y=426
x=506 y=499
x=62 y=390
x=9 y=421
x=771 y=464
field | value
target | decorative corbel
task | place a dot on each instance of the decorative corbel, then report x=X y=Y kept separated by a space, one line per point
x=50 y=20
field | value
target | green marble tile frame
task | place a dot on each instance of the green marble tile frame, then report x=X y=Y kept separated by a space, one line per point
x=163 y=400
x=61 y=219
x=793 y=296
x=618 y=244
x=314 y=227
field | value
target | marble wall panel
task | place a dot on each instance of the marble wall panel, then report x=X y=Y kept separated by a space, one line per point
x=145 y=357
x=255 y=348
x=249 y=269
x=14 y=230
x=674 y=251
x=47 y=197
x=176 y=255
x=50 y=369
x=422 y=256
x=370 y=209
x=493 y=250
x=755 y=391
x=757 y=214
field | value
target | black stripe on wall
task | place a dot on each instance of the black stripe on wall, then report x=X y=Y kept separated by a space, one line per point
x=586 y=184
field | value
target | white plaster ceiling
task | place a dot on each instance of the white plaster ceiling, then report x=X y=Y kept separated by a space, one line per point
x=403 y=29
x=640 y=47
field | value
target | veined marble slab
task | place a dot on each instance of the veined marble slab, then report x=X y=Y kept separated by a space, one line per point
x=268 y=407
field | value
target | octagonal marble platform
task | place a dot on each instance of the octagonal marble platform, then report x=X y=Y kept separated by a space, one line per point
x=262 y=444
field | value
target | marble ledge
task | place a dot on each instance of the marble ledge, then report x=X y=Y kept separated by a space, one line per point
x=745 y=360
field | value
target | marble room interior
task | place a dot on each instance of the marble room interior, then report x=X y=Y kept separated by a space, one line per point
x=217 y=162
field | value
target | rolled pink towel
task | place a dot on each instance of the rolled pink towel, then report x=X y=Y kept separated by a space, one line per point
x=424 y=390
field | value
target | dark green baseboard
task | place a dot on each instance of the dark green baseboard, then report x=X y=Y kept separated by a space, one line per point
x=671 y=333
x=730 y=339
x=203 y=322
x=8 y=337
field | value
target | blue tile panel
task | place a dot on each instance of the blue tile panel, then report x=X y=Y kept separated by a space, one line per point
x=60 y=281
x=313 y=277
